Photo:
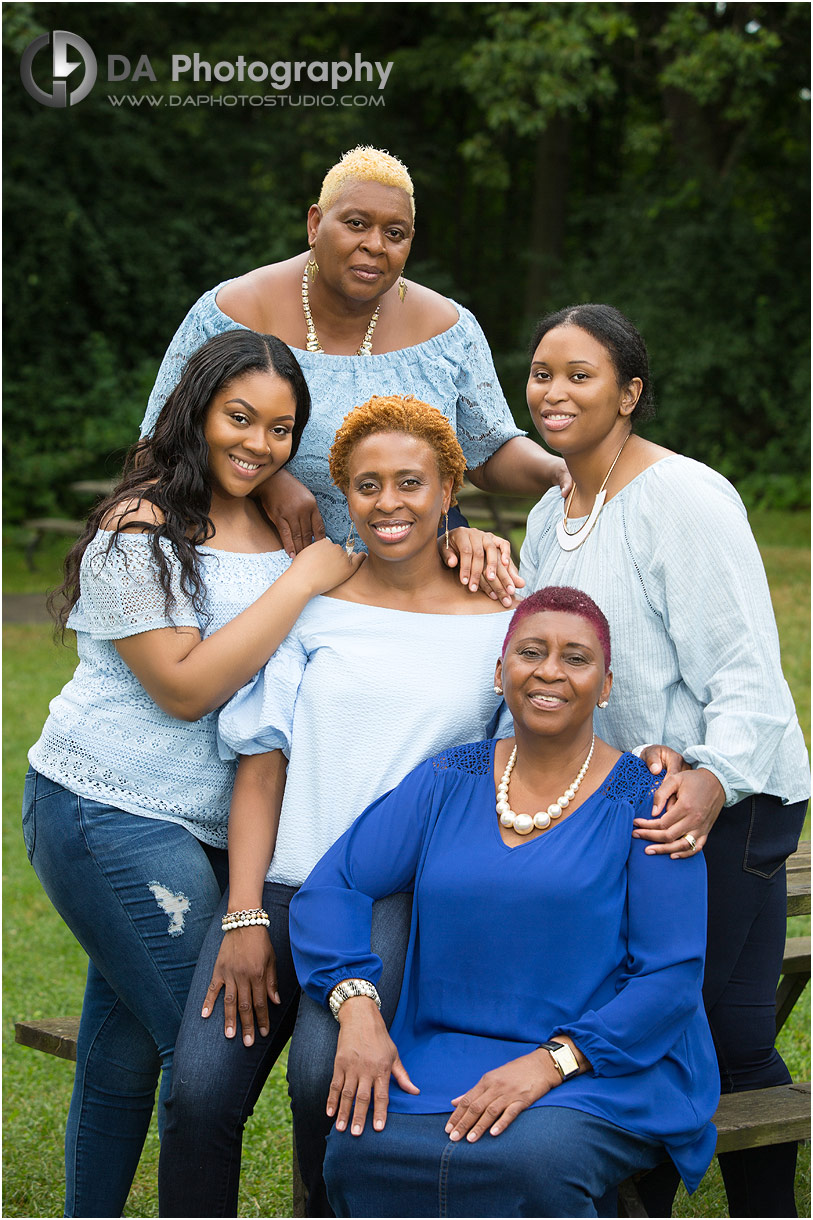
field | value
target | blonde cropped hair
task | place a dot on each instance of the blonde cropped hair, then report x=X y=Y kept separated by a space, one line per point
x=365 y=164
x=396 y=413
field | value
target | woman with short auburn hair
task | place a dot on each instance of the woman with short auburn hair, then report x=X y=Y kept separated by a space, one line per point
x=366 y=686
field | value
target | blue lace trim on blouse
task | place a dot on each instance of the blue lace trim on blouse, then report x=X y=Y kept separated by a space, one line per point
x=630 y=779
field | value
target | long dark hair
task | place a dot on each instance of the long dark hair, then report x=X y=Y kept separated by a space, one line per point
x=170 y=469
x=617 y=335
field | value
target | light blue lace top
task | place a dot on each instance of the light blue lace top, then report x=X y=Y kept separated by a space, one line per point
x=105 y=738
x=452 y=371
x=675 y=568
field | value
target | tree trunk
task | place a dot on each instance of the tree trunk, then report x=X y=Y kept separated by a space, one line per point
x=546 y=240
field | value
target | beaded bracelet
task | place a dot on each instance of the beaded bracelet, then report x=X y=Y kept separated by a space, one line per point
x=349 y=988
x=244 y=919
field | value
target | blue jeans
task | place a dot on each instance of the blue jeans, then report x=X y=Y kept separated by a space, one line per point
x=138 y=894
x=217 y=1080
x=551 y=1161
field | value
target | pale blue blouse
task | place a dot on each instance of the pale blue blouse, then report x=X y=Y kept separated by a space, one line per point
x=356 y=696
x=510 y=946
x=674 y=566
x=453 y=371
x=105 y=738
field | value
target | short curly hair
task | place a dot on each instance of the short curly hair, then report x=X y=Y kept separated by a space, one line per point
x=566 y=600
x=365 y=164
x=398 y=413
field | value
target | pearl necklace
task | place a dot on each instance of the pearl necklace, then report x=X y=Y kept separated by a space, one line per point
x=570 y=542
x=313 y=344
x=523 y=823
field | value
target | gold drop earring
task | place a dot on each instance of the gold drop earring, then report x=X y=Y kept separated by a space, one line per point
x=312 y=265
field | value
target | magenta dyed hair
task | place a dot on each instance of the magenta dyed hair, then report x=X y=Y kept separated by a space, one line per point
x=564 y=600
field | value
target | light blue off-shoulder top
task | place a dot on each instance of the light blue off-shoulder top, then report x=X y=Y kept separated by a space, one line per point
x=355 y=696
x=452 y=371
x=105 y=738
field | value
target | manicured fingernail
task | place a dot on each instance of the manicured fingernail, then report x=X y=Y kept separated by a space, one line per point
x=447 y=1128
x=330 y=1111
x=205 y=1012
x=248 y=1039
x=511 y=589
x=378 y=1124
x=341 y=1124
x=493 y=595
x=491 y=573
x=649 y=851
x=473 y=588
x=229 y=1031
x=455 y=1135
x=471 y=1137
x=356 y=1129
x=264 y=1031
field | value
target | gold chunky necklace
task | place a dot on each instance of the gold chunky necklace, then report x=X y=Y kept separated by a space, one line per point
x=313 y=344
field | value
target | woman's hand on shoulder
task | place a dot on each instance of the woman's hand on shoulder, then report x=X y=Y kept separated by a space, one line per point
x=246 y=973
x=324 y=565
x=500 y=1095
x=366 y=1057
x=485 y=562
x=293 y=509
x=687 y=803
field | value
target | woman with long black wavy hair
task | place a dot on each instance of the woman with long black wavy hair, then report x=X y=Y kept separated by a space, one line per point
x=179 y=590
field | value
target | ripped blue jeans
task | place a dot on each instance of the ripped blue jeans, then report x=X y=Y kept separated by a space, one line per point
x=138 y=894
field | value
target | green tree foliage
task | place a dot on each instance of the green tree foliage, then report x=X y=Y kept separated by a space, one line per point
x=651 y=155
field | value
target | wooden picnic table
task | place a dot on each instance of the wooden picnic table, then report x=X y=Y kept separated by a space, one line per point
x=799 y=880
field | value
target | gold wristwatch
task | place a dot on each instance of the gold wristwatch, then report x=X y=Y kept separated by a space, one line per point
x=565 y=1061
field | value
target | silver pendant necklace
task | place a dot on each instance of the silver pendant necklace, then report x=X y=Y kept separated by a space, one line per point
x=571 y=542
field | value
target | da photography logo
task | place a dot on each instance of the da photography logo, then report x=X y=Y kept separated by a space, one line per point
x=62 y=66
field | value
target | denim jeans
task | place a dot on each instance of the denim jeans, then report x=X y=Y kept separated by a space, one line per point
x=217 y=1080
x=551 y=1161
x=138 y=894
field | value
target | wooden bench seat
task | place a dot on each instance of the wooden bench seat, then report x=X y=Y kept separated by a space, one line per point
x=743 y=1120
x=40 y=526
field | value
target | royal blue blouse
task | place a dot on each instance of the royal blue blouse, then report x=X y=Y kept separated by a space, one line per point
x=576 y=931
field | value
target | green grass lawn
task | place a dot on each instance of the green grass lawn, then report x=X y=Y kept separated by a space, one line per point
x=44 y=968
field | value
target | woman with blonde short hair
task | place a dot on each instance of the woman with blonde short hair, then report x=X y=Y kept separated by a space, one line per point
x=358 y=327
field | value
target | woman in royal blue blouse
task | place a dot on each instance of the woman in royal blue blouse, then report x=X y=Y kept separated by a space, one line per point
x=559 y=1015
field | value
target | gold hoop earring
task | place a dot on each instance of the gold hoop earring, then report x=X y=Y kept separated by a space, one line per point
x=403 y=288
x=349 y=546
x=312 y=265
